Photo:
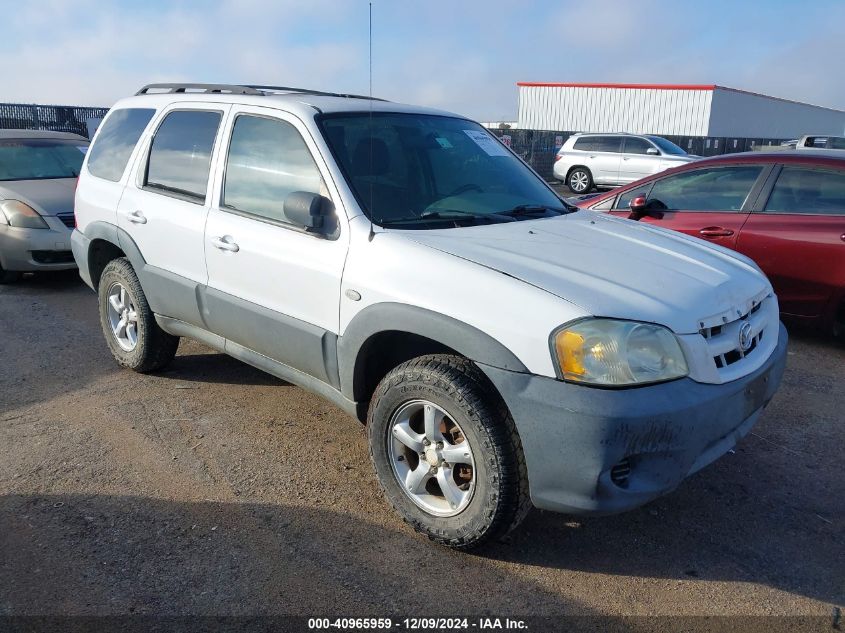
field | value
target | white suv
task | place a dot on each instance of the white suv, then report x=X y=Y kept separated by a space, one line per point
x=502 y=347
x=588 y=160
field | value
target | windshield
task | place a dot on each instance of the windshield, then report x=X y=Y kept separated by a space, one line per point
x=422 y=171
x=36 y=159
x=667 y=147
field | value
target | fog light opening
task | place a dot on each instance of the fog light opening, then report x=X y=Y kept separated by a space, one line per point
x=621 y=473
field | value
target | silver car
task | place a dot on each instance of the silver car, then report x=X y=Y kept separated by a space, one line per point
x=589 y=160
x=38 y=172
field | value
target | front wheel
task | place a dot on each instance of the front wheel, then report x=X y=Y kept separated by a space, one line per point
x=132 y=334
x=447 y=453
x=580 y=180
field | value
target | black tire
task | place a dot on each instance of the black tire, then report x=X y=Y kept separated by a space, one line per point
x=154 y=347
x=8 y=276
x=500 y=498
x=580 y=180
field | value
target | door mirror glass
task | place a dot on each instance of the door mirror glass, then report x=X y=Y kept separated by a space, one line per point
x=308 y=210
x=638 y=204
x=652 y=151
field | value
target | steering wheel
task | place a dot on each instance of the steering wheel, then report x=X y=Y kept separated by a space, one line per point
x=467 y=187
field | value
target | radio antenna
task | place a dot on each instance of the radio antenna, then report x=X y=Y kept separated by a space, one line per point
x=372 y=233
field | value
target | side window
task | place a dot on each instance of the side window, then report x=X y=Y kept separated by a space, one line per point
x=117 y=138
x=623 y=202
x=635 y=145
x=809 y=191
x=585 y=144
x=604 y=205
x=714 y=189
x=608 y=144
x=267 y=160
x=180 y=156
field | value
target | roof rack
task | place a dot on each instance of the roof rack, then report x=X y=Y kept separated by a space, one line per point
x=237 y=89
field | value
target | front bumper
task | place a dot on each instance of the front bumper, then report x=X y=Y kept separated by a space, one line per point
x=32 y=250
x=574 y=435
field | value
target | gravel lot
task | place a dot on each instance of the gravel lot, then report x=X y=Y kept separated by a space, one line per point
x=213 y=488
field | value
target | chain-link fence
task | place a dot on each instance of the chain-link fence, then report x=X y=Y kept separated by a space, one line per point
x=538 y=147
x=25 y=116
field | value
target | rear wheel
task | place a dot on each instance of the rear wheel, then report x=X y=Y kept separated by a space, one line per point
x=580 y=180
x=447 y=453
x=132 y=334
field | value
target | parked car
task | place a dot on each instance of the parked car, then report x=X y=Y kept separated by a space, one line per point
x=785 y=210
x=407 y=266
x=588 y=160
x=820 y=141
x=38 y=171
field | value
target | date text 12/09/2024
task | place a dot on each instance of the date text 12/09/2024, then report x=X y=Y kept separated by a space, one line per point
x=415 y=624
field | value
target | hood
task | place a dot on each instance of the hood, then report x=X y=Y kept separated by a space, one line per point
x=613 y=267
x=670 y=158
x=49 y=196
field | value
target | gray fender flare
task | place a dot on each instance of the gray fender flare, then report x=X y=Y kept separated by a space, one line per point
x=397 y=317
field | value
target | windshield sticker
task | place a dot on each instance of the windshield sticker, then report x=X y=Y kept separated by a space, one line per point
x=444 y=142
x=487 y=143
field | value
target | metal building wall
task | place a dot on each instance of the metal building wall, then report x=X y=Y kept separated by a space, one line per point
x=680 y=110
x=739 y=113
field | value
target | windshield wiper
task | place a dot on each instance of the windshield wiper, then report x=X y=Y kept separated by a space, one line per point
x=446 y=215
x=534 y=209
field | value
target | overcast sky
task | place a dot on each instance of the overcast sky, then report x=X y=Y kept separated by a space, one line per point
x=465 y=56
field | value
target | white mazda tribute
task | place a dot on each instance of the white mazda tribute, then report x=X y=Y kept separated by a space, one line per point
x=502 y=347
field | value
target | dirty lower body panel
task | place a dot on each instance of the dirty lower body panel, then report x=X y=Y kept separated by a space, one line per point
x=602 y=451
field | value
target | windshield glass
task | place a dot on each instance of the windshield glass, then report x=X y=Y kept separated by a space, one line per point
x=36 y=159
x=667 y=147
x=423 y=170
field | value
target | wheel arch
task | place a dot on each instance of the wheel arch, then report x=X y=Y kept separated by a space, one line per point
x=384 y=335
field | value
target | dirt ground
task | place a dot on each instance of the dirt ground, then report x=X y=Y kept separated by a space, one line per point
x=213 y=488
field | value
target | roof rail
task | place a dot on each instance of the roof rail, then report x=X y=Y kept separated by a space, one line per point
x=238 y=89
x=203 y=88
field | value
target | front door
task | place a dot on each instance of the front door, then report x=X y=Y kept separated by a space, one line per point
x=273 y=288
x=798 y=239
x=636 y=162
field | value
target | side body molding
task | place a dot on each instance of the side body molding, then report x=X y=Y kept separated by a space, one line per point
x=398 y=317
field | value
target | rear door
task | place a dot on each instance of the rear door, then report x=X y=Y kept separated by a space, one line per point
x=164 y=207
x=636 y=162
x=797 y=236
x=604 y=159
x=711 y=203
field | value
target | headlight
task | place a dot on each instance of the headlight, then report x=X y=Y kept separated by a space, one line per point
x=616 y=353
x=22 y=215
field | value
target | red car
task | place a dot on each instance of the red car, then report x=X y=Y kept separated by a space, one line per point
x=785 y=210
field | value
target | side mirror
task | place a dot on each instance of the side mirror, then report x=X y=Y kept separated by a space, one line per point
x=638 y=204
x=652 y=151
x=308 y=210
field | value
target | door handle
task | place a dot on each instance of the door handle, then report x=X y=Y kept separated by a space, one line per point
x=625 y=157
x=225 y=243
x=137 y=217
x=715 y=231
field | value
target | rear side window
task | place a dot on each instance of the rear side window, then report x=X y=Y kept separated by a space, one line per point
x=808 y=191
x=585 y=144
x=268 y=160
x=117 y=137
x=180 y=156
x=607 y=144
x=715 y=189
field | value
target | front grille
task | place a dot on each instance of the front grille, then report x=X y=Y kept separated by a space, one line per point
x=67 y=219
x=724 y=340
x=53 y=257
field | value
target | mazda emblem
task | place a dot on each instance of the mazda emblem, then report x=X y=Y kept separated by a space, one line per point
x=745 y=337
